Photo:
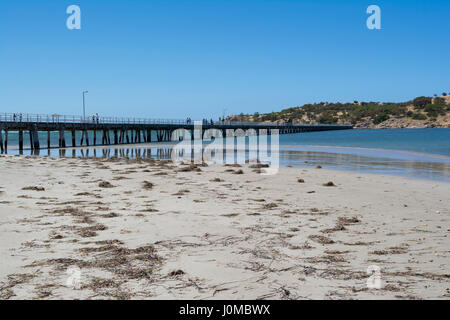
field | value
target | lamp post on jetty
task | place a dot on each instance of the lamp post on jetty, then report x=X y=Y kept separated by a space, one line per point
x=84 y=106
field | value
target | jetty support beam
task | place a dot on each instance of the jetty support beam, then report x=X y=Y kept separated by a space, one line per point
x=1 y=140
x=20 y=140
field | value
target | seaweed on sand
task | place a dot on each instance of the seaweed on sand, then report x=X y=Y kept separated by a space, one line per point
x=105 y=184
x=34 y=188
x=259 y=166
x=12 y=281
x=321 y=239
x=86 y=232
x=147 y=185
x=125 y=263
x=348 y=220
x=191 y=167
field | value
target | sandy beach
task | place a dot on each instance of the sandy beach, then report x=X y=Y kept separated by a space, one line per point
x=146 y=229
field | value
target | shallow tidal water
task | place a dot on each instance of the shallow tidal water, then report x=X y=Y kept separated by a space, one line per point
x=417 y=153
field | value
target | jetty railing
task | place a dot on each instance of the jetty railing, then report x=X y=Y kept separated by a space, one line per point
x=59 y=118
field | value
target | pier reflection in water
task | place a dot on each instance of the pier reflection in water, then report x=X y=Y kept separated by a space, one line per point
x=107 y=153
x=204 y=154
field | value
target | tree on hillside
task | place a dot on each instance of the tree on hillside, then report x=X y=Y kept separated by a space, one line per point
x=444 y=94
x=421 y=102
x=419 y=116
x=380 y=118
x=439 y=101
x=434 y=110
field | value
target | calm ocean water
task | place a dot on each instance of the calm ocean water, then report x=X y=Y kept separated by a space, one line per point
x=421 y=153
x=430 y=141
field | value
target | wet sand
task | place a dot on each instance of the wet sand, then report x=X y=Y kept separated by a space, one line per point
x=145 y=229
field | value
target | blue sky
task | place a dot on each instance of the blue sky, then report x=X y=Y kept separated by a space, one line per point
x=172 y=59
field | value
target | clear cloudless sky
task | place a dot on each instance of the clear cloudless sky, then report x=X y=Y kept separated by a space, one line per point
x=173 y=59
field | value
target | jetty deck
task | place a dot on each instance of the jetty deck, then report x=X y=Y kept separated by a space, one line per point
x=130 y=130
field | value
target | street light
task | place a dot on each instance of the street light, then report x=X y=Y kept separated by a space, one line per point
x=84 y=106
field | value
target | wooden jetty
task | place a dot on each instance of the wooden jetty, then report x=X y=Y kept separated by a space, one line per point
x=113 y=131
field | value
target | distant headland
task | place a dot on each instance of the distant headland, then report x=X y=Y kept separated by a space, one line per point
x=421 y=112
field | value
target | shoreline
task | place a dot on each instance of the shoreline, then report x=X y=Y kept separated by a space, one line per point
x=167 y=145
x=145 y=229
x=404 y=163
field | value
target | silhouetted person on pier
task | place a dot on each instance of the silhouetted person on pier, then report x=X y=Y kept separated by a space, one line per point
x=20 y=117
x=97 y=117
x=14 y=117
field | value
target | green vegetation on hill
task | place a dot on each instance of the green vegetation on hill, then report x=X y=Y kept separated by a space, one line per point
x=421 y=108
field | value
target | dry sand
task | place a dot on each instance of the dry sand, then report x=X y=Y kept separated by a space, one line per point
x=147 y=229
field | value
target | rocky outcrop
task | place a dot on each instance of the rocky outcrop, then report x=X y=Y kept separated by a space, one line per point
x=399 y=123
